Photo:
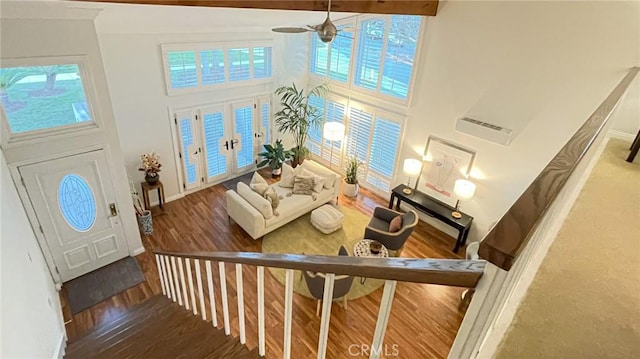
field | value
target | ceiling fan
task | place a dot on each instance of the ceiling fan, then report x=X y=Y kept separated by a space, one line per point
x=327 y=31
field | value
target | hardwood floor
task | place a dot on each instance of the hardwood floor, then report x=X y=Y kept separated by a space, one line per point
x=424 y=318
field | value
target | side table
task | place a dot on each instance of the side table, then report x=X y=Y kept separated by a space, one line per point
x=146 y=188
x=362 y=249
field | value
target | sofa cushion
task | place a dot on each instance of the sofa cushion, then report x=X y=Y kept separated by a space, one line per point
x=258 y=183
x=318 y=181
x=329 y=176
x=257 y=201
x=288 y=175
x=303 y=185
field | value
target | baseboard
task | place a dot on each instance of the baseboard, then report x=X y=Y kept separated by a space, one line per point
x=621 y=135
x=137 y=251
x=169 y=199
x=62 y=345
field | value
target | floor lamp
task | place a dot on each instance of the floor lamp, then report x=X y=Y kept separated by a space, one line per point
x=333 y=131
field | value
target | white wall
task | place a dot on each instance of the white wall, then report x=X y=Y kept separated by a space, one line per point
x=31 y=323
x=134 y=67
x=539 y=68
x=71 y=32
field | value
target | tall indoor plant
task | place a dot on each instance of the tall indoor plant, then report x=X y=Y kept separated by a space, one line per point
x=297 y=116
x=274 y=155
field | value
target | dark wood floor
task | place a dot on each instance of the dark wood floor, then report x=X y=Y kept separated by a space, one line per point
x=424 y=318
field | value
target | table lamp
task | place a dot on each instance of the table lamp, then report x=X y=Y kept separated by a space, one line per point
x=411 y=168
x=464 y=189
x=333 y=131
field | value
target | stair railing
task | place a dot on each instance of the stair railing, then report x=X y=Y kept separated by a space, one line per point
x=450 y=272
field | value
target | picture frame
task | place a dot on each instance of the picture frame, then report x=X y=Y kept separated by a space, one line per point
x=443 y=163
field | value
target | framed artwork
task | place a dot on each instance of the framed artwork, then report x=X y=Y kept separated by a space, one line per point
x=443 y=163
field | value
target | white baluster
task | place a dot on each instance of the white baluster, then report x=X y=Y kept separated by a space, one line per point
x=176 y=280
x=183 y=284
x=383 y=318
x=240 y=292
x=288 y=308
x=212 y=297
x=327 y=299
x=167 y=268
x=190 y=279
x=261 y=342
x=160 y=275
x=225 y=304
x=200 y=292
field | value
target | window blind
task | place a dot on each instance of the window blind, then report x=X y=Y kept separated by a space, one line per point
x=265 y=120
x=399 y=55
x=261 y=62
x=186 y=132
x=314 y=140
x=239 y=68
x=335 y=112
x=340 y=56
x=319 y=56
x=182 y=69
x=244 y=128
x=369 y=53
x=212 y=67
x=358 y=133
x=384 y=146
x=213 y=134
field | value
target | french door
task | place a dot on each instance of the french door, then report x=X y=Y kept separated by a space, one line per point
x=221 y=141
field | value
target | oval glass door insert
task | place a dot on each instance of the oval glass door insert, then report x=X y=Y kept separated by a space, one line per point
x=77 y=203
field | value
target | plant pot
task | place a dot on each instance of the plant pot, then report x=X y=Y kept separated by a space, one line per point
x=146 y=222
x=152 y=178
x=349 y=190
x=275 y=172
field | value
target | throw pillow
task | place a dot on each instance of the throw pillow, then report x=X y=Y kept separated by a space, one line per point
x=288 y=175
x=271 y=195
x=318 y=181
x=328 y=175
x=303 y=185
x=258 y=183
x=395 y=224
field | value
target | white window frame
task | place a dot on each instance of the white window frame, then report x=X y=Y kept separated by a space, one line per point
x=90 y=94
x=225 y=46
x=350 y=86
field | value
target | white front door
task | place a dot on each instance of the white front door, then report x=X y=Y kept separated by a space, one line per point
x=74 y=200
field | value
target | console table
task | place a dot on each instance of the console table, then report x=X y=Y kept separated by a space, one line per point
x=433 y=208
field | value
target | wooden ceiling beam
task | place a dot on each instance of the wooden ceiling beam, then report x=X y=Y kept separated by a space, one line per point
x=409 y=7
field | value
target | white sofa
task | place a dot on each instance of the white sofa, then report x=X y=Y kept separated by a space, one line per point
x=252 y=212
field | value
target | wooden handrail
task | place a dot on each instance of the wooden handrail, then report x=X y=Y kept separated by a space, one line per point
x=502 y=245
x=451 y=272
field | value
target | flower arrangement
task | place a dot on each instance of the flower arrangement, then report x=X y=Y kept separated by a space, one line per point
x=150 y=163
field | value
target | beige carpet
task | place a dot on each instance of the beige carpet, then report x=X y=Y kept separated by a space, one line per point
x=299 y=237
x=585 y=299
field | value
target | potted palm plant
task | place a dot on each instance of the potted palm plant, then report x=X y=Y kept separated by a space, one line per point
x=297 y=116
x=275 y=155
x=351 y=175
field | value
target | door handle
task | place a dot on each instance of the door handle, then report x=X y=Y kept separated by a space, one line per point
x=226 y=145
x=233 y=142
x=113 y=209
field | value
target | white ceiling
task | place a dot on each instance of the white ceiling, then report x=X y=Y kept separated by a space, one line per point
x=121 y=18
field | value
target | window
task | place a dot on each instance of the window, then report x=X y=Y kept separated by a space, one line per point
x=191 y=68
x=384 y=148
x=314 y=140
x=382 y=60
x=76 y=202
x=43 y=97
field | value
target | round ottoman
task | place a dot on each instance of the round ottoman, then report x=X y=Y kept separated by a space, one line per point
x=327 y=219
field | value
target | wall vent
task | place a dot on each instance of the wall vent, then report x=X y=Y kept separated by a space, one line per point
x=483 y=130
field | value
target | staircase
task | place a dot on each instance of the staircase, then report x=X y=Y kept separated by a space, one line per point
x=158 y=328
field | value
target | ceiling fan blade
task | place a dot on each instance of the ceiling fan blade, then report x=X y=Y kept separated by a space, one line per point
x=291 y=30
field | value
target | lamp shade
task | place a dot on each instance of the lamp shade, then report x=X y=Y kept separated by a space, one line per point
x=411 y=167
x=333 y=131
x=464 y=188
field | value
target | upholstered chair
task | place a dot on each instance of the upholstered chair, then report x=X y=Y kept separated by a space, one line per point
x=341 y=286
x=378 y=228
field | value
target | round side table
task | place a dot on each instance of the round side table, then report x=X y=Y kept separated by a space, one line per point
x=362 y=249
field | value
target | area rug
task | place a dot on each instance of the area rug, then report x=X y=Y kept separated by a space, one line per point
x=299 y=237
x=233 y=183
x=92 y=288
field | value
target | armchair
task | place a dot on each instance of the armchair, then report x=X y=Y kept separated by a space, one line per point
x=378 y=228
x=341 y=286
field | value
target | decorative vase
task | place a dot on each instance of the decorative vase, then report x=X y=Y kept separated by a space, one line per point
x=349 y=189
x=146 y=222
x=375 y=247
x=275 y=172
x=152 y=177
